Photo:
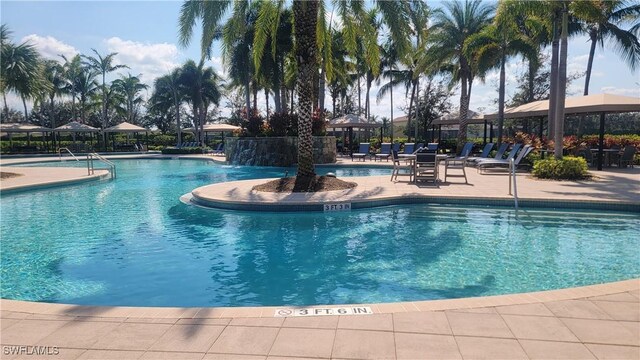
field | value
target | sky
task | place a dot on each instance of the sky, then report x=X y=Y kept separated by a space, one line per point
x=144 y=34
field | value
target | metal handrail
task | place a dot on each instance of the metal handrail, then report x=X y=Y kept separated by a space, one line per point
x=91 y=169
x=512 y=175
x=67 y=150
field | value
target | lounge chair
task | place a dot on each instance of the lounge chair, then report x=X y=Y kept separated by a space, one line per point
x=219 y=149
x=485 y=154
x=385 y=152
x=398 y=167
x=408 y=149
x=432 y=146
x=362 y=153
x=627 y=156
x=504 y=163
x=418 y=147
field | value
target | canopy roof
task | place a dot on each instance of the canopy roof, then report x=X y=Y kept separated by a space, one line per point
x=21 y=127
x=590 y=104
x=125 y=127
x=454 y=118
x=351 y=121
x=75 y=126
x=215 y=128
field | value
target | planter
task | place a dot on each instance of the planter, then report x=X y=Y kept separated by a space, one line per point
x=276 y=151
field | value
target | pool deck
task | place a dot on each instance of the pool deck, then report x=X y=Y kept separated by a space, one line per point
x=592 y=322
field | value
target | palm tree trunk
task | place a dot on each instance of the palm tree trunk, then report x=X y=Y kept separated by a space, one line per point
x=391 y=90
x=417 y=102
x=321 y=88
x=266 y=100
x=562 y=85
x=553 y=91
x=255 y=98
x=6 y=108
x=24 y=103
x=464 y=110
x=359 y=95
x=587 y=79
x=178 y=124
x=413 y=92
x=501 y=97
x=104 y=110
x=306 y=17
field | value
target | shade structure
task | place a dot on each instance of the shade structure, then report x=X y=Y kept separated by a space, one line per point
x=215 y=128
x=21 y=127
x=590 y=104
x=75 y=126
x=352 y=121
x=125 y=127
x=454 y=118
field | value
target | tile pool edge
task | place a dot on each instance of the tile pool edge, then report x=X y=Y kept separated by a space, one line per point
x=70 y=310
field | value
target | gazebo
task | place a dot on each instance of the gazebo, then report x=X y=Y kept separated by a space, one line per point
x=591 y=104
x=453 y=119
x=24 y=128
x=75 y=127
x=351 y=121
x=127 y=128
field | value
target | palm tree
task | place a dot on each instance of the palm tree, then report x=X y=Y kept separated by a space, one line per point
x=86 y=86
x=103 y=65
x=305 y=14
x=201 y=88
x=450 y=32
x=54 y=74
x=170 y=84
x=72 y=69
x=130 y=87
x=21 y=70
x=493 y=46
x=602 y=23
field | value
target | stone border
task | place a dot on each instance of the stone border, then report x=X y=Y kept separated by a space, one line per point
x=269 y=311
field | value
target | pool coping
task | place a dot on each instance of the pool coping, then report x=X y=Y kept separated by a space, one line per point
x=61 y=309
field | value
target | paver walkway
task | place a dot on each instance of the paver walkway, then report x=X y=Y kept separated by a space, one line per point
x=594 y=327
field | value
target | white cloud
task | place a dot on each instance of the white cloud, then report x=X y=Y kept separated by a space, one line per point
x=50 y=47
x=150 y=60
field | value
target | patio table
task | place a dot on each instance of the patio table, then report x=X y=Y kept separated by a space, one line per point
x=607 y=155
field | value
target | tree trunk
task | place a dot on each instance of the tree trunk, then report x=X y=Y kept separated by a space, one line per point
x=321 y=89
x=464 y=110
x=587 y=79
x=562 y=85
x=255 y=98
x=413 y=92
x=417 y=112
x=305 y=20
x=24 y=103
x=553 y=91
x=266 y=100
x=391 y=90
x=501 y=91
x=359 y=96
x=176 y=104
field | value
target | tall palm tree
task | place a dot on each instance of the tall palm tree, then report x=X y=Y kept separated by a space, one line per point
x=21 y=69
x=103 y=65
x=602 y=23
x=130 y=87
x=450 y=31
x=493 y=46
x=201 y=88
x=72 y=69
x=305 y=14
x=54 y=74
x=86 y=86
x=170 y=84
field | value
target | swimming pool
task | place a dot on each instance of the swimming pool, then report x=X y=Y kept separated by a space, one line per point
x=132 y=242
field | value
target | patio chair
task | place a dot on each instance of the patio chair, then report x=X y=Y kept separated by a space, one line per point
x=587 y=155
x=362 y=153
x=432 y=146
x=627 y=156
x=219 y=149
x=396 y=147
x=418 y=147
x=504 y=163
x=426 y=167
x=400 y=169
x=485 y=154
x=458 y=163
x=408 y=149
x=385 y=152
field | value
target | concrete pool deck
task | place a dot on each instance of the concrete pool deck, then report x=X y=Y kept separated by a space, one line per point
x=599 y=321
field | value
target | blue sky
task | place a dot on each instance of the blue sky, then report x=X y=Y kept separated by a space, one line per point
x=144 y=33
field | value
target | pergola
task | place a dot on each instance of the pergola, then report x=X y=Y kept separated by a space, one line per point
x=127 y=128
x=579 y=105
x=24 y=128
x=351 y=121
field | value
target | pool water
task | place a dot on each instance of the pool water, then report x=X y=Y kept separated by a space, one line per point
x=131 y=241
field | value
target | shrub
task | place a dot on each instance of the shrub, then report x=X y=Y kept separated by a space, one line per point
x=163 y=140
x=568 y=168
x=254 y=126
x=174 y=151
x=282 y=124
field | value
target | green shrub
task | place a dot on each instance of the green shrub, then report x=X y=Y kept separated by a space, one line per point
x=189 y=150
x=568 y=168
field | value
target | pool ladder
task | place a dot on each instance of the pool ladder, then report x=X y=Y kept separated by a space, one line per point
x=61 y=150
x=94 y=156
x=512 y=178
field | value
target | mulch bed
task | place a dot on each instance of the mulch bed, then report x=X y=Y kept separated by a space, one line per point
x=306 y=184
x=8 y=175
